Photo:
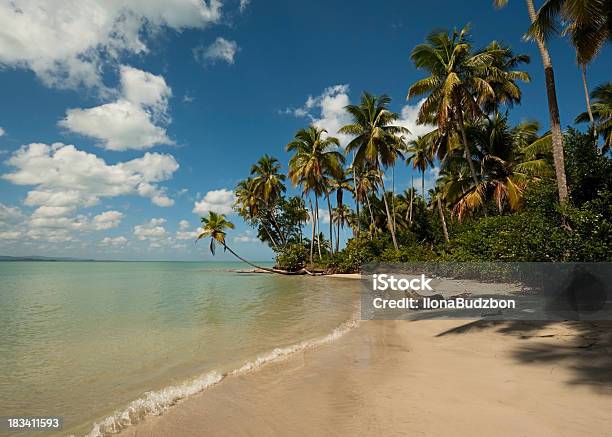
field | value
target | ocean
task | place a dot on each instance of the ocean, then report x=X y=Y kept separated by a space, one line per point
x=104 y=344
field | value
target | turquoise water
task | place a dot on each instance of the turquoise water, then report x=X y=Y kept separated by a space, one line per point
x=86 y=340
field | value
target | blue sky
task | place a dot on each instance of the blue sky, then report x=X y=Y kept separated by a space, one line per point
x=161 y=106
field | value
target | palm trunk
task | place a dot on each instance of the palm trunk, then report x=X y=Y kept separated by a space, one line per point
x=356 y=195
x=389 y=221
x=393 y=196
x=277 y=227
x=372 y=221
x=340 y=219
x=281 y=272
x=270 y=236
x=587 y=97
x=411 y=199
x=553 y=109
x=318 y=233
x=423 y=183
x=468 y=152
x=442 y=219
x=312 y=220
x=331 y=225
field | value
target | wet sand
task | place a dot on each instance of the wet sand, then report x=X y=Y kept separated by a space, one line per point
x=428 y=378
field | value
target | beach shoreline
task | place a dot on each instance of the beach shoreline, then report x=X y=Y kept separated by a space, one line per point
x=434 y=378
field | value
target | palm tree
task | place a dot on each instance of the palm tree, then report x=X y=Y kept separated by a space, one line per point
x=340 y=216
x=420 y=157
x=376 y=139
x=588 y=26
x=436 y=198
x=269 y=185
x=462 y=83
x=602 y=113
x=553 y=106
x=366 y=183
x=214 y=226
x=340 y=181
x=510 y=159
x=248 y=204
x=314 y=159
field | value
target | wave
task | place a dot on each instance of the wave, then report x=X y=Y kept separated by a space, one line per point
x=154 y=403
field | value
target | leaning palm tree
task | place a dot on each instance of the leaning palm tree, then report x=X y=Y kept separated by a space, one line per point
x=421 y=158
x=553 y=106
x=601 y=109
x=215 y=226
x=436 y=198
x=587 y=23
x=376 y=139
x=249 y=205
x=314 y=159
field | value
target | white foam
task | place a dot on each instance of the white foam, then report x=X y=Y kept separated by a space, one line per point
x=156 y=402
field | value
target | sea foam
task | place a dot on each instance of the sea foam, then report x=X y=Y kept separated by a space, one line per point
x=155 y=403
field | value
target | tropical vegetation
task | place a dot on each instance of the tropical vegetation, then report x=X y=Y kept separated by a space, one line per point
x=499 y=192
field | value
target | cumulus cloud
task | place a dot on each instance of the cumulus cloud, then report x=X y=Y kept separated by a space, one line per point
x=408 y=117
x=64 y=176
x=107 y=220
x=119 y=241
x=219 y=201
x=10 y=222
x=184 y=233
x=327 y=111
x=66 y=44
x=151 y=230
x=246 y=237
x=220 y=50
x=2 y=132
x=131 y=121
x=54 y=223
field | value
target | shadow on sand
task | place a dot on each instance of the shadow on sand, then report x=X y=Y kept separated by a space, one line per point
x=585 y=348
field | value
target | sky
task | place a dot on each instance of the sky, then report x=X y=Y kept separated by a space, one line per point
x=122 y=122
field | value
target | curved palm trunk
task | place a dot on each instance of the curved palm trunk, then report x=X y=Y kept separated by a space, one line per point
x=442 y=219
x=587 y=97
x=356 y=195
x=553 y=109
x=389 y=220
x=331 y=224
x=281 y=272
x=270 y=236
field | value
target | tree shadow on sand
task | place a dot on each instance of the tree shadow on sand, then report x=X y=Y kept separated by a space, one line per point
x=585 y=348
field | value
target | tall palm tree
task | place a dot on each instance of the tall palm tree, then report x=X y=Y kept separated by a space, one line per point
x=269 y=185
x=420 y=157
x=248 y=204
x=462 y=83
x=340 y=182
x=366 y=183
x=315 y=157
x=376 y=139
x=553 y=106
x=436 y=198
x=587 y=23
x=340 y=216
x=601 y=109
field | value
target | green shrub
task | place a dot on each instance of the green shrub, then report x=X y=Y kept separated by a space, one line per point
x=292 y=257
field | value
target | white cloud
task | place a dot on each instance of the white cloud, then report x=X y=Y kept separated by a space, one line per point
x=67 y=43
x=119 y=241
x=246 y=237
x=220 y=50
x=130 y=121
x=183 y=225
x=184 y=233
x=2 y=132
x=10 y=222
x=64 y=176
x=107 y=220
x=327 y=111
x=244 y=4
x=408 y=117
x=219 y=201
x=10 y=235
x=323 y=216
x=152 y=230
x=9 y=214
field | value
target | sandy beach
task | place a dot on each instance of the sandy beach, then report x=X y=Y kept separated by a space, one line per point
x=430 y=378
